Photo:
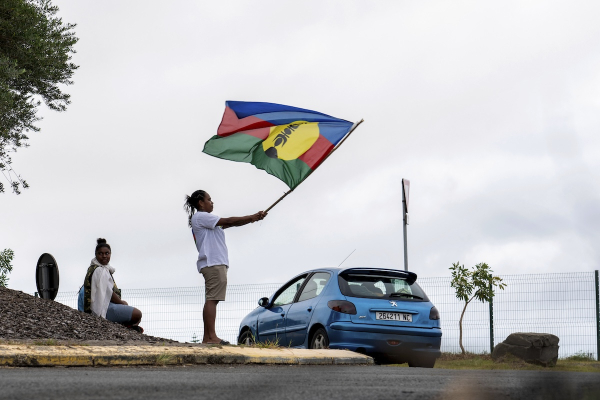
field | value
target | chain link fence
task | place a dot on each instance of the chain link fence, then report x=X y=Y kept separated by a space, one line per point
x=563 y=304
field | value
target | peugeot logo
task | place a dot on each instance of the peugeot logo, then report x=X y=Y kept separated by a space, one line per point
x=393 y=303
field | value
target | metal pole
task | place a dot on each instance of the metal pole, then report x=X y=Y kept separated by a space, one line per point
x=597 y=316
x=405 y=222
x=491 y=323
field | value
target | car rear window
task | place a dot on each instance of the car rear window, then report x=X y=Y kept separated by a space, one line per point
x=380 y=286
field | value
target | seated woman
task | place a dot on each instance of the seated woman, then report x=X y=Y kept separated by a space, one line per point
x=100 y=295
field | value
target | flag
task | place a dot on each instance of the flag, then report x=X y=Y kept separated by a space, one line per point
x=287 y=142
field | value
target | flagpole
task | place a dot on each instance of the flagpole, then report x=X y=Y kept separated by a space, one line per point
x=334 y=149
x=281 y=198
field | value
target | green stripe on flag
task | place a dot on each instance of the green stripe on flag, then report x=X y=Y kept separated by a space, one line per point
x=246 y=148
x=237 y=147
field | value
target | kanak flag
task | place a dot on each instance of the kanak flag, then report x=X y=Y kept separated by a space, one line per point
x=287 y=142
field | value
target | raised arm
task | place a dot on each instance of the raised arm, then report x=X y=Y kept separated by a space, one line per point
x=240 y=221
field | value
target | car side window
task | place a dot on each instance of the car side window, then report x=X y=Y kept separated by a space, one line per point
x=289 y=292
x=314 y=286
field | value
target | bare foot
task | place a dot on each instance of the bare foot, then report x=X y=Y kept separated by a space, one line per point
x=211 y=341
x=219 y=341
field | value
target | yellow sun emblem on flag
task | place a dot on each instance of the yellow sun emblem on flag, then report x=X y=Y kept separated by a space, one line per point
x=288 y=142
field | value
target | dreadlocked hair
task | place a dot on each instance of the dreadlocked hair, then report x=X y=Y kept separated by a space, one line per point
x=191 y=204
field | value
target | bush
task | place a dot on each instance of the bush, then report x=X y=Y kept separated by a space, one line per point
x=581 y=356
x=6 y=257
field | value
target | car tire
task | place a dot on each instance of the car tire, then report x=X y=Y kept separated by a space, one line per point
x=246 y=338
x=319 y=340
x=422 y=363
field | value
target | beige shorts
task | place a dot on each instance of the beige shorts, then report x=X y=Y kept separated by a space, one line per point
x=215 y=278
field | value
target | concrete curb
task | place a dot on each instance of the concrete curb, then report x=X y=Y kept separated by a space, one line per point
x=94 y=356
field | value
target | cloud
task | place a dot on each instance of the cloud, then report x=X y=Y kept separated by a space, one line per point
x=491 y=110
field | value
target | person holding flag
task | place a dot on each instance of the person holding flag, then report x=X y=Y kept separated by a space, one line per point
x=213 y=261
x=286 y=142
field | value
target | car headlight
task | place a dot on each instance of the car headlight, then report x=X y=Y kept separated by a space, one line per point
x=342 y=306
x=434 y=313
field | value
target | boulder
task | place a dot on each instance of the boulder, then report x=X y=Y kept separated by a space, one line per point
x=534 y=348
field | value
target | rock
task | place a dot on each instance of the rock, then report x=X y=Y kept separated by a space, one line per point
x=534 y=348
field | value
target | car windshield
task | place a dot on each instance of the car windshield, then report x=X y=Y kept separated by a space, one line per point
x=380 y=287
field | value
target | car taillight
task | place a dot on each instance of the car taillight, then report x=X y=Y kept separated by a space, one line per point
x=342 y=306
x=434 y=313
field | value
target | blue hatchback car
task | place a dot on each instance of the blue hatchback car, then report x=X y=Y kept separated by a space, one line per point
x=379 y=312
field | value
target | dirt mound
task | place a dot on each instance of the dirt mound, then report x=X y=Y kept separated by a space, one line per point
x=23 y=316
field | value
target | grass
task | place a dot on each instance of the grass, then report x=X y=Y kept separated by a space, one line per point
x=164 y=359
x=46 y=342
x=41 y=342
x=581 y=356
x=579 y=362
x=267 y=344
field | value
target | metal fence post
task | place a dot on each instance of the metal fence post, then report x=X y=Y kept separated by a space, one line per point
x=597 y=316
x=491 y=325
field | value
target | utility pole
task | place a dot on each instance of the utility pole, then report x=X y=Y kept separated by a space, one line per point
x=405 y=193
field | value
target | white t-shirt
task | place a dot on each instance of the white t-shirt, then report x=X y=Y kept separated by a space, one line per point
x=210 y=240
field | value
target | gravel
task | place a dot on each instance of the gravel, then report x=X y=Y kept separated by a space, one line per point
x=24 y=317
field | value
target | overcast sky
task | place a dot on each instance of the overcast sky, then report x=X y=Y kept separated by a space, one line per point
x=491 y=109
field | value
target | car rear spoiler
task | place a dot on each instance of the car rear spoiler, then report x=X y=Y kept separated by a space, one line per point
x=409 y=277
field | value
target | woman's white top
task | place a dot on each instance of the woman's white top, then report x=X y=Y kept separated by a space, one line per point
x=102 y=288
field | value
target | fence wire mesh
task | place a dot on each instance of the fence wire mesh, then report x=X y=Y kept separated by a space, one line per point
x=176 y=313
x=563 y=304
x=476 y=328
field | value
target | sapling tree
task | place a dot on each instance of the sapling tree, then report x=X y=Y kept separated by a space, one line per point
x=6 y=257
x=477 y=283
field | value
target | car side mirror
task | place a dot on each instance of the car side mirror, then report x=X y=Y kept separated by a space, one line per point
x=263 y=302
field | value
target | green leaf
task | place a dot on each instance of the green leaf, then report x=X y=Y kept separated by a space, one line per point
x=6 y=257
x=35 y=53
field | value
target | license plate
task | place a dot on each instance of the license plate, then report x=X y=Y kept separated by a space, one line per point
x=393 y=316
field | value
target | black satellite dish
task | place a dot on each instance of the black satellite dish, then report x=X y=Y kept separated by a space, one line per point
x=46 y=277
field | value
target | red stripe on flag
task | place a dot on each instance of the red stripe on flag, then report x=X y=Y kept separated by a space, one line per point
x=231 y=124
x=315 y=155
x=261 y=133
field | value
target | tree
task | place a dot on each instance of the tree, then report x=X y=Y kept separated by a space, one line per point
x=35 y=54
x=480 y=280
x=6 y=257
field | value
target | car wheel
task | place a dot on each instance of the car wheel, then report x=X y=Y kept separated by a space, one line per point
x=319 y=340
x=246 y=338
x=422 y=363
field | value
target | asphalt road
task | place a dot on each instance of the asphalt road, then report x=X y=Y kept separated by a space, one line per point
x=246 y=382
